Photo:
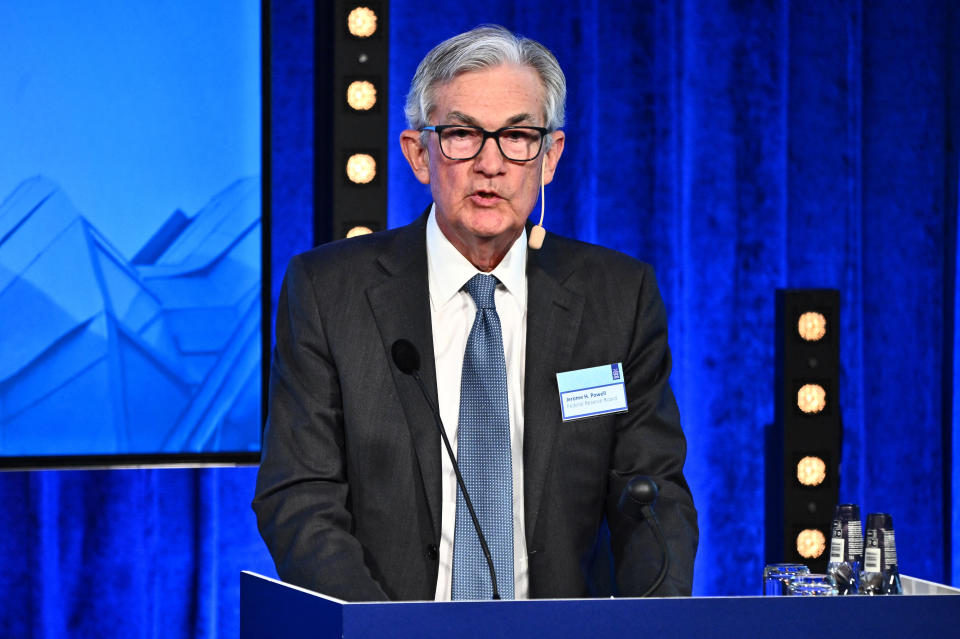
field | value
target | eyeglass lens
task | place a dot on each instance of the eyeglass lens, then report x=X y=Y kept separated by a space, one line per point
x=516 y=143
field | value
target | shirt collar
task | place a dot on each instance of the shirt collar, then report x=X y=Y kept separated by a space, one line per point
x=448 y=270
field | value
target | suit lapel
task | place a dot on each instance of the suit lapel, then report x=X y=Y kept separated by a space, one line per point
x=401 y=307
x=553 y=322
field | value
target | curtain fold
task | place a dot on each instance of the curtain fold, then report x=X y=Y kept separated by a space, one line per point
x=132 y=553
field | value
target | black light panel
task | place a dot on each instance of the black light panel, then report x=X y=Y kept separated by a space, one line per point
x=353 y=105
x=803 y=450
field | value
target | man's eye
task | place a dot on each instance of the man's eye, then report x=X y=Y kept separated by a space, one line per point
x=461 y=133
x=518 y=135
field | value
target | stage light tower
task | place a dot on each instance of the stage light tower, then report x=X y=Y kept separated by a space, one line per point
x=803 y=447
x=354 y=125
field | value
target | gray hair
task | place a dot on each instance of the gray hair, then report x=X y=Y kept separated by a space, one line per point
x=482 y=48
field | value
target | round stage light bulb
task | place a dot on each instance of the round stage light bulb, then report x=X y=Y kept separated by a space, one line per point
x=812 y=326
x=811 y=398
x=362 y=22
x=361 y=95
x=359 y=230
x=811 y=471
x=361 y=168
x=811 y=543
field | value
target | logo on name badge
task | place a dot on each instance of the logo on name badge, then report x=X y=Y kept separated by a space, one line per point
x=616 y=370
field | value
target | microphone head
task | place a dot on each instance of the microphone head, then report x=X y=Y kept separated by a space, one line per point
x=639 y=493
x=405 y=356
x=537 y=233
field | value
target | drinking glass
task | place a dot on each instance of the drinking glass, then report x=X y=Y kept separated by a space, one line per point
x=777 y=576
x=812 y=585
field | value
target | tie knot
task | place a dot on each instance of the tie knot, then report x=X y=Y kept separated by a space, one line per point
x=481 y=289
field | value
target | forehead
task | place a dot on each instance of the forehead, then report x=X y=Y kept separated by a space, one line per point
x=492 y=96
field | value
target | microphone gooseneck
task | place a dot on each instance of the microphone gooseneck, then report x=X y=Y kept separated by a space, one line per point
x=636 y=503
x=406 y=357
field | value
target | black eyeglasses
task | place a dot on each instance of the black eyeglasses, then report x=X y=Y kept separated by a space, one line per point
x=463 y=142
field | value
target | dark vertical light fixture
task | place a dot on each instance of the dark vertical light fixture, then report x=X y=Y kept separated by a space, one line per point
x=354 y=135
x=803 y=451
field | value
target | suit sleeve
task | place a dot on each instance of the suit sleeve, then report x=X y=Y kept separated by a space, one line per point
x=649 y=441
x=302 y=494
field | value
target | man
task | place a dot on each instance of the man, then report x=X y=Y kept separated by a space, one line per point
x=356 y=497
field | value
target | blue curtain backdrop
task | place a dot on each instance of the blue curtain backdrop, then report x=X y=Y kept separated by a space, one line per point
x=737 y=146
x=744 y=146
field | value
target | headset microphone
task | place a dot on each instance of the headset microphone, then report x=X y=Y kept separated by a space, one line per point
x=537 y=233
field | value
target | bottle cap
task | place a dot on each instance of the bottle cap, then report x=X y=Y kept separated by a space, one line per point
x=847 y=512
x=880 y=520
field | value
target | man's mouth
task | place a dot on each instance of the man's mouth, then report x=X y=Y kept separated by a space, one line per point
x=487 y=196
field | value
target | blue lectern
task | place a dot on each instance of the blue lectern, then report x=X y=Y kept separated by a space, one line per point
x=270 y=608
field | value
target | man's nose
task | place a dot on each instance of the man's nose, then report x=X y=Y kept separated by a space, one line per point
x=490 y=160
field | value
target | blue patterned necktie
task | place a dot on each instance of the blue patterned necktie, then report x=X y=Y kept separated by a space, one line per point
x=483 y=453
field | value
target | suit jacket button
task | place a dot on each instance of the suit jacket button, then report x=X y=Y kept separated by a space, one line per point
x=433 y=553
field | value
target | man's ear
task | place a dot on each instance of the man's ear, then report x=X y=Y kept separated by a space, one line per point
x=416 y=154
x=553 y=156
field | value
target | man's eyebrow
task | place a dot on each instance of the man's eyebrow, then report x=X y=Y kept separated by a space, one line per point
x=463 y=118
x=520 y=118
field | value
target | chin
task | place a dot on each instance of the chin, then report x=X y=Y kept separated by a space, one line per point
x=490 y=221
x=491 y=230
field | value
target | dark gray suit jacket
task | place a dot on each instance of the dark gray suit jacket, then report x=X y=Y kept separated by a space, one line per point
x=348 y=492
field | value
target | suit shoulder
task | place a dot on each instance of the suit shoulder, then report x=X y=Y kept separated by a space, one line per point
x=365 y=255
x=585 y=255
x=351 y=251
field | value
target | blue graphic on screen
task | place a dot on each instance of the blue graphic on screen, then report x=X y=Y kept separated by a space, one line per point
x=130 y=229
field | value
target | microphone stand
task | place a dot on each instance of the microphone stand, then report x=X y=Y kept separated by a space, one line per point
x=636 y=503
x=412 y=368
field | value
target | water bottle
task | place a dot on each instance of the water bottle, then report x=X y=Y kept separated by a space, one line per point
x=880 y=575
x=846 y=549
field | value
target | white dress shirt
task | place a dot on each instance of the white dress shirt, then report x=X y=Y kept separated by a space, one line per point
x=452 y=312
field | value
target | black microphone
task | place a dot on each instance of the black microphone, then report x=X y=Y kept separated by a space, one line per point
x=407 y=359
x=636 y=503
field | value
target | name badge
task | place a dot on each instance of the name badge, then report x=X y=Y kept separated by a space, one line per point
x=592 y=391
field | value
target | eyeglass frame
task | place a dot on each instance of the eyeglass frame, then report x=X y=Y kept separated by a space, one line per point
x=440 y=128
